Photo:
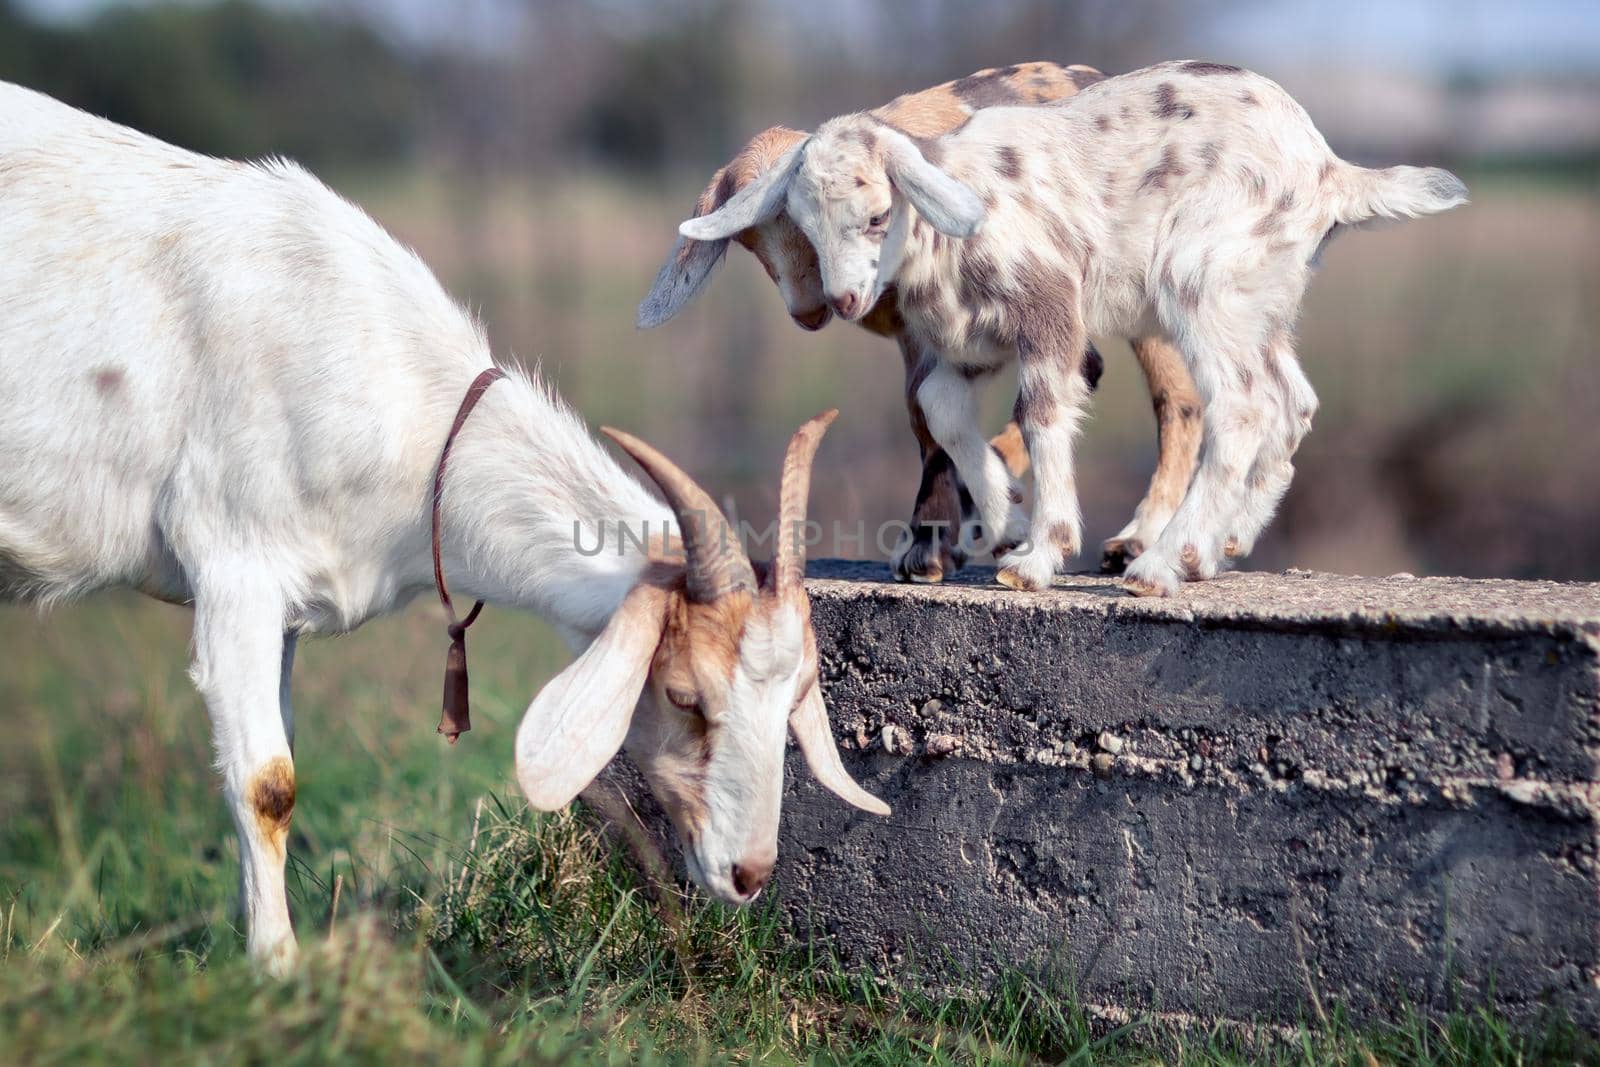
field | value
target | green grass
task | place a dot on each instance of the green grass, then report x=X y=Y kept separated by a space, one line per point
x=439 y=919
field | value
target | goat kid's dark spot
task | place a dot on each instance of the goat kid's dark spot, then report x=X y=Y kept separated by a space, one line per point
x=989 y=89
x=1009 y=161
x=1168 y=106
x=1169 y=167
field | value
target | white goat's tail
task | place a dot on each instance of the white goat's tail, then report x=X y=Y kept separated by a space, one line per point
x=1361 y=195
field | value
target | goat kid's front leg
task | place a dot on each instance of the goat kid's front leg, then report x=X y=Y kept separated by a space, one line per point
x=1052 y=391
x=1177 y=408
x=929 y=548
x=950 y=403
x=242 y=660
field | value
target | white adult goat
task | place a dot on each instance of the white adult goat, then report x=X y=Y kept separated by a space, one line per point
x=221 y=383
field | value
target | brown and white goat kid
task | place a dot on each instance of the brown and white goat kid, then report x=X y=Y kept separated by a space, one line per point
x=223 y=385
x=1188 y=199
x=932 y=546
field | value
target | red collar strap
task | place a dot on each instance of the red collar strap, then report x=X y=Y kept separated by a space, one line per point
x=456 y=719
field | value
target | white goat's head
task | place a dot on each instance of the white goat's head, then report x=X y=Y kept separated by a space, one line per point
x=851 y=188
x=777 y=243
x=700 y=674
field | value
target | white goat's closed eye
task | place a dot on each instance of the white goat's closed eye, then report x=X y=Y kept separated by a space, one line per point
x=756 y=203
x=949 y=206
x=682 y=700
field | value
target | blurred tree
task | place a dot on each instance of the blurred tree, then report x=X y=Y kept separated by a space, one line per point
x=670 y=93
x=234 y=78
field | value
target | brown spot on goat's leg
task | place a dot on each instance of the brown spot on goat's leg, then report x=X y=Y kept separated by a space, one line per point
x=1179 y=426
x=271 y=796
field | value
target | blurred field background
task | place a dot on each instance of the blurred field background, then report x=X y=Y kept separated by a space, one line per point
x=538 y=154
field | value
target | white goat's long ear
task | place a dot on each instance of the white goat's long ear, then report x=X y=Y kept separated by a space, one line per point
x=809 y=721
x=950 y=207
x=756 y=203
x=680 y=278
x=579 y=720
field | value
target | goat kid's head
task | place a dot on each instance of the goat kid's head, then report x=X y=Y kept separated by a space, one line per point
x=777 y=243
x=851 y=188
x=700 y=675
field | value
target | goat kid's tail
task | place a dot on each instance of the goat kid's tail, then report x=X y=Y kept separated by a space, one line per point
x=1363 y=195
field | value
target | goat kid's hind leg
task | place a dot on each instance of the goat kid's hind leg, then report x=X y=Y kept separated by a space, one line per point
x=1237 y=413
x=1293 y=405
x=1052 y=392
x=241 y=660
x=1177 y=409
x=950 y=402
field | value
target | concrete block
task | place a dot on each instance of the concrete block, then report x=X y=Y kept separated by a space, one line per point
x=1267 y=791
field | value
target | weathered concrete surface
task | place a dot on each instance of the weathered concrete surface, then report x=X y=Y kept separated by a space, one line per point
x=1266 y=790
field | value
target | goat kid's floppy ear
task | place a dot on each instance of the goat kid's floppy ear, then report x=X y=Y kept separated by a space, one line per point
x=756 y=203
x=680 y=278
x=948 y=206
x=809 y=721
x=578 y=721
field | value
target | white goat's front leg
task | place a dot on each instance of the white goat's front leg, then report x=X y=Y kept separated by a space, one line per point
x=1051 y=394
x=241 y=666
x=950 y=403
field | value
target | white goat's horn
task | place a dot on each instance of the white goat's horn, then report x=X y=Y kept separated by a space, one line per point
x=715 y=564
x=809 y=722
x=794 y=487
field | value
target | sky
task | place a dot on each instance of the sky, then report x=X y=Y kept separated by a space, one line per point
x=1542 y=36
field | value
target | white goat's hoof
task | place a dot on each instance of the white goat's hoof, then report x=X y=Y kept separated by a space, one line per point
x=276 y=960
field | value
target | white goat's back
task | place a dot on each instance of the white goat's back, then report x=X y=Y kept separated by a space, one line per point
x=131 y=272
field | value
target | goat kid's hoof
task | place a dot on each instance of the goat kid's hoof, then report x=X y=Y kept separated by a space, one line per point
x=926 y=562
x=1143 y=587
x=1117 y=553
x=1027 y=574
x=1149 y=576
x=1012 y=578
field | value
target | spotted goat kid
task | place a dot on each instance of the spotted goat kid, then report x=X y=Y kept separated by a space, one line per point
x=932 y=546
x=1189 y=200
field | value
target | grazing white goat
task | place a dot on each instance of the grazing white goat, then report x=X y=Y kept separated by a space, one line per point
x=221 y=383
x=932 y=547
x=1187 y=199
